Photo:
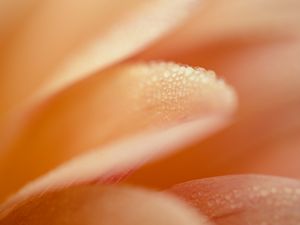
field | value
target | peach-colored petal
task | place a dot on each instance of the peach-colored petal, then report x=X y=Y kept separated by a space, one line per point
x=91 y=205
x=123 y=101
x=267 y=142
x=58 y=30
x=217 y=20
x=258 y=54
x=11 y=13
x=112 y=163
x=265 y=73
x=264 y=69
x=245 y=199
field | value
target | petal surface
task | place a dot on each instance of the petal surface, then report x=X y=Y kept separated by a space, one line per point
x=217 y=20
x=260 y=59
x=266 y=142
x=89 y=205
x=245 y=199
x=64 y=41
x=123 y=101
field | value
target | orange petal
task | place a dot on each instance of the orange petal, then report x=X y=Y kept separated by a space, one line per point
x=258 y=56
x=114 y=104
x=239 y=200
x=112 y=163
x=266 y=142
x=91 y=205
x=265 y=73
x=264 y=69
x=90 y=36
x=11 y=14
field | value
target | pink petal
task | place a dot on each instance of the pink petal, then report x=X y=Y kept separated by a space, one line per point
x=245 y=199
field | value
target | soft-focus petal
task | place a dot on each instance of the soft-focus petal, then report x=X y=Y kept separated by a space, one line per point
x=217 y=20
x=246 y=199
x=11 y=14
x=265 y=73
x=267 y=142
x=111 y=105
x=91 y=205
x=262 y=64
x=112 y=163
x=58 y=30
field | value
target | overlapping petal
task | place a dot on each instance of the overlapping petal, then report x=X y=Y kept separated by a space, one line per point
x=245 y=199
x=254 y=54
x=259 y=56
x=89 y=205
x=123 y=101
x=81 y=37
x=217 y=20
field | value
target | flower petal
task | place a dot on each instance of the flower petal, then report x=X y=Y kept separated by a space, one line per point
x=91 y=205
x=11 y=14
x=244 y=199
x=112 y=163
x=262 y=64
x=265 y=142
x=88 y=33
x=216 y=20
x=117 y=103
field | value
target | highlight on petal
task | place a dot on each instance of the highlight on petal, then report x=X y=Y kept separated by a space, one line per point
x=81 y=37
x=140 y=31
x=244 y=199
x=175 y=104
x=91 y=205
x=265 y=138
x=263 y=67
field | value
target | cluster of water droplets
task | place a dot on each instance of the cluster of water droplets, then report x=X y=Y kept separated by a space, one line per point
x=278 y=198
x=170 y=90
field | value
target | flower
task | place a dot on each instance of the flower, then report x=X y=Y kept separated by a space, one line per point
x=83 y=105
